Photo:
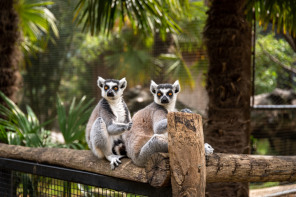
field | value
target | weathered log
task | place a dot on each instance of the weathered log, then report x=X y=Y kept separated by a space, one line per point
x=76 y=159
x=187 y=154
x=246 y=168
x=220 y=167
x=250 y=168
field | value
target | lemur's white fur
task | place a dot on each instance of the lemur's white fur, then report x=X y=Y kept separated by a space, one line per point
x=108 y=121
x=208 y=149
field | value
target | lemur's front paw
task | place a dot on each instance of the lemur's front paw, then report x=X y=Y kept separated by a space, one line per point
x=100 y=123
x=130 y=124
x=114 y=161
x=186 y=110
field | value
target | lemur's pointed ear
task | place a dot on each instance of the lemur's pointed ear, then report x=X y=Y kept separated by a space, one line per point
x=176 y=86
x=153 y=87
x=100 y=82
x=122 y=83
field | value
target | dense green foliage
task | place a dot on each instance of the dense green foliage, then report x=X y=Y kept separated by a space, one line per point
x=18 y=128
x=274 y=58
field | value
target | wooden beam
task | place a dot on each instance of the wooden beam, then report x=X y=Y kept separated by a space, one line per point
x=219 y=167
x=75 y=159
x=246 y=168
x=187 y=154
x=250 y=168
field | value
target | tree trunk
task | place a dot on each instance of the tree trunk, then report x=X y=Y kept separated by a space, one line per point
x=228 y=40
x=10 y=55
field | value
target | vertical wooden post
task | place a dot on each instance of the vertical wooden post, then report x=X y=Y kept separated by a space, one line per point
x=187 y=154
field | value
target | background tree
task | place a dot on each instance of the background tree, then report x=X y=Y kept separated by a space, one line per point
x=24 y=17
x=10 y=55
x=228 y=39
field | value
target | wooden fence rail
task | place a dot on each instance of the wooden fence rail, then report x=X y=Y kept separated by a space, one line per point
x=187 y=169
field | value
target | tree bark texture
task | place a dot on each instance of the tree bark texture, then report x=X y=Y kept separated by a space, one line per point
x=10 y=78
x=187 y=154
x=219 y=167
x=228 y=39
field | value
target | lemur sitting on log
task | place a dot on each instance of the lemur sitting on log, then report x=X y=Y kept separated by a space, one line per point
x=108 y=121
x=148 y=134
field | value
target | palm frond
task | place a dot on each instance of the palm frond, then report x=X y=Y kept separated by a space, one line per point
x=280 y=13
x=145 y=16
x=36 y=20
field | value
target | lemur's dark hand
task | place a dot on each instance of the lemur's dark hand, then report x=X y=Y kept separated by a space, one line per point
x=186 y=110
x=130 y=124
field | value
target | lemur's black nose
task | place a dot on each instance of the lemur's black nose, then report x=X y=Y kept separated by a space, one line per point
x=164 y=100
x=110 y=93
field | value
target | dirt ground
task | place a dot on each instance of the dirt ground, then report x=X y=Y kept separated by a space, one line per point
x=283 y=191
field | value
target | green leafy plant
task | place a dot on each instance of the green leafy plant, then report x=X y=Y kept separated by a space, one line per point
x=72 y=123
x=36 y=20
x=274 y=61
x=18 y=128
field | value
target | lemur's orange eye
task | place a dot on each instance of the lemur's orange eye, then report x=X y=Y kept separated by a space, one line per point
x=115 y=88
x=170 y=93
x=159 y=94
x=106 y=87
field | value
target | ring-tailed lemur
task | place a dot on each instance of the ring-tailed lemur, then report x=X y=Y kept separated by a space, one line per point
x=108 y=121
x=149 y=132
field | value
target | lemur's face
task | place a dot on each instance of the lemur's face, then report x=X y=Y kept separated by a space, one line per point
x=111 y=89
x=165 y=94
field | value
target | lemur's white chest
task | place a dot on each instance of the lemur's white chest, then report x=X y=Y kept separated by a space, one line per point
x=118 y=110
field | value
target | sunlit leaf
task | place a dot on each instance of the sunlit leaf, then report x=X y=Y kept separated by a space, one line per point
x=36 y=20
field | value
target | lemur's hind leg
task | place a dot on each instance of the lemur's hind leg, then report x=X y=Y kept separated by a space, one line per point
x=102 y=143
x=157 y=143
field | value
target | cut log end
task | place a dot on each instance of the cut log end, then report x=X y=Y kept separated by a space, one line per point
x=158 y=170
